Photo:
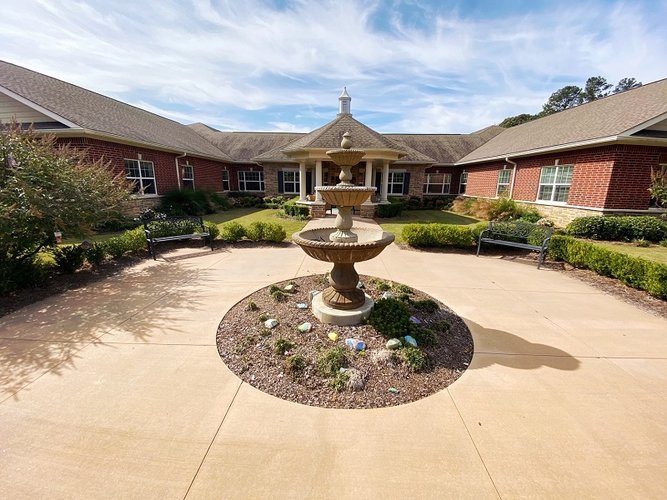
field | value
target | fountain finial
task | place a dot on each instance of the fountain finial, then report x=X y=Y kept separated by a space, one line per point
x=346 y=143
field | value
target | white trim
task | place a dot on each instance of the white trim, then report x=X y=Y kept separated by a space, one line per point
x=39 y=108
x=644 y=125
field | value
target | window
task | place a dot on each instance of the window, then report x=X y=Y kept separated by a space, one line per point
x=291 y=181
x=142 y=175
x=555 y=183
x=463 y=182
x=225 y=180
x=503 y=182
x=251 y=181
x=396 y=180
x=188 y=177
x=437 y=183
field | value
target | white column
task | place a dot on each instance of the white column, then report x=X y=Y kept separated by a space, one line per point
x=385 y=181
x=302 y=180
x=369 y=173
x=318 y=179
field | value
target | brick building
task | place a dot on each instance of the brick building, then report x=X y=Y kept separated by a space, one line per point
x=596 y=158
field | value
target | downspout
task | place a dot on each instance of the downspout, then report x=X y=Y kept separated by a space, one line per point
x=513 y=176
x=178 y=170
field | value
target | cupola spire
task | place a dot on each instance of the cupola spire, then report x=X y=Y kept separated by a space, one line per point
x=344 y=103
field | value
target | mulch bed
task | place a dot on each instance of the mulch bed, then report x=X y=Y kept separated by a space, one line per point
x=247 y=348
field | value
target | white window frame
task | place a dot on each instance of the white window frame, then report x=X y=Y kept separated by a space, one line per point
x=463 y=182
x=225 y=180
x=244 y=181
x=392 y=182
x=445 y=185
x=554 y=184
x=188 y=177
x=503 y=185
x=295 y=182
x=141 y=182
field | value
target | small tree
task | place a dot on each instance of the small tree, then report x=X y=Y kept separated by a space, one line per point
x=513 y=121
x=44 y=188
x=626 y=84
x=564 y=98
x=658 y=187
x=596 y=88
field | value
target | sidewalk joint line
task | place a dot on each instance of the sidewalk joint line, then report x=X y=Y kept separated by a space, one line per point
x=472 y=440
x=210 y=445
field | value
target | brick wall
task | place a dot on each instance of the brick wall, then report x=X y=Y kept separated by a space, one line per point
x=609 y=177
x=208 y=173
x=455 y=173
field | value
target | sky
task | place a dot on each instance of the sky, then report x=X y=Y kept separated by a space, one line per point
x=416 y=66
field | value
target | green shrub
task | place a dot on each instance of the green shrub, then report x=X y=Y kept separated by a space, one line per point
x=627 y=228
x=295 y=365
x=633 y=271
x=291 y=209
x=231 y=232
x=428 y=305
x=212 y=229
x=130 y=241
x=414 y=358
x=279 y=296
x=281 y=346
x=266 y=231
x=96 y=254
x=441 y=202
x=188 y=202
x=390 y=318
x=381 y=286
x=24 y=273
x=69 y=258
x=339 y=381
x=442 y=235
x=161 y=228
x=244 y=199
x=331 y=361
x=424 y=336
x=388 y=210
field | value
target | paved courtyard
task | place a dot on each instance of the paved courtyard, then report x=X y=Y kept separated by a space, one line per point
x=117 y=391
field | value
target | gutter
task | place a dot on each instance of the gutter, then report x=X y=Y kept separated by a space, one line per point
x=507 y=159
x=178 y=173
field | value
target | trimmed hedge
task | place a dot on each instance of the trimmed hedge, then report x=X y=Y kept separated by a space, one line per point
x=633 y=271
x=388 y=210
x=442 y=235
x=231 y=232
x=626 y=228
x=291 y=209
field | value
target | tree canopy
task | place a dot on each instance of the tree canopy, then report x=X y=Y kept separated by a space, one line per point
x=45 y=187
x=570 y=96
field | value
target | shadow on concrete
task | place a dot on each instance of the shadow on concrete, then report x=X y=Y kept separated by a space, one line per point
x=520 y=353
x=47 y=335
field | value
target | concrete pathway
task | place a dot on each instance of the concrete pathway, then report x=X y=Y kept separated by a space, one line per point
x=117 y=391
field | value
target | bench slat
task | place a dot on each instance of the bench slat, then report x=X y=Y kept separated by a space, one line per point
x=152 y=240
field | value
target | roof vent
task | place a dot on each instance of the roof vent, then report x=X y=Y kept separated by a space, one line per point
x=344 y=103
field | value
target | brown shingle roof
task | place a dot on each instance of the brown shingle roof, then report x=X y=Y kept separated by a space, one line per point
x=245 y=146
x=331 y=134
x=604 y=118
x=446 y=148
x=98 y=113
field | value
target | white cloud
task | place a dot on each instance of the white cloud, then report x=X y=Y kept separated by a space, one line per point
x=447 y=73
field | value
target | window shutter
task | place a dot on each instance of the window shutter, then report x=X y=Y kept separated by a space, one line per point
x=281 y=186
x=406 y=183
x=378 y=181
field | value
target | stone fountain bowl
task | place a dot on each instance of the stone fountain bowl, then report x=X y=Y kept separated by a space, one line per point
x=344 y=156
x=345 y=196
x=315 y=242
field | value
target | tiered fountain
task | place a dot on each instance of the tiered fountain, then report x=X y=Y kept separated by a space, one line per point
x=343 y=303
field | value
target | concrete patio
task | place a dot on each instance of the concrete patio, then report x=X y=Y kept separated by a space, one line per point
x=117 y=391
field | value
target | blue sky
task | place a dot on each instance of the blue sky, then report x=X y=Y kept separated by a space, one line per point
x=410 y=65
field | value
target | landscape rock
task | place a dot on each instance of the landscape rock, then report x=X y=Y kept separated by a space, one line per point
x=356 y=380
x=290 y=288
x=415 y=320
x=356 y=344
x=302 y=305
x=304 y=327
x=393 y=344
x=387 y=295
x=333 y=336
x=383 y=357
x=411 y=341
x=271 y=323
x=393 y=390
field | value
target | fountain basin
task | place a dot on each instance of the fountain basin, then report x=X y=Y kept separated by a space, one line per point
x=345 y=196
x=370 y=243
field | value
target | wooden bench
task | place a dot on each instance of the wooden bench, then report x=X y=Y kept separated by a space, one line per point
x=164 y=229
x=518 y=234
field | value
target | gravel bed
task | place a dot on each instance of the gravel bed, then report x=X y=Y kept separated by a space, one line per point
x=247 y=348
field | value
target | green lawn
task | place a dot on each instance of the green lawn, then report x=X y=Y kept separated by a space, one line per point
x=395 y=224
x=654 y=252
x=246 y=216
